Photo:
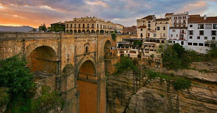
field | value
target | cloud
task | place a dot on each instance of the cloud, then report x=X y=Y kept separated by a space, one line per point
x=35 y=12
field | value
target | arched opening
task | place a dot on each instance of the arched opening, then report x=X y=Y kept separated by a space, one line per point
x=101 y=31
x=67 y=31
x=97 y=31
x=87 y=88
x=79 y=31
x=108 y=57
x=92 y=31
x=75 y=31
x=88 y=31
x=43 y=59
x=70 y=31
x=83 y=31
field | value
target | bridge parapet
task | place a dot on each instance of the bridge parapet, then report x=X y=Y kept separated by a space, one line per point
x=27 y=35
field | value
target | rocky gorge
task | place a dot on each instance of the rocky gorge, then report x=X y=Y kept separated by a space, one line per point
x=127 y=93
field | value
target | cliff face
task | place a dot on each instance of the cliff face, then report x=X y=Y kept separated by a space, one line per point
x=128 y=94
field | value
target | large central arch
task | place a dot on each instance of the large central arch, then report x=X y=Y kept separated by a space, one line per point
x=43 y=59
x=87 y=87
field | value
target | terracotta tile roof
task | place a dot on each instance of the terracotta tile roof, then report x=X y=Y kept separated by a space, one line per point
x=169 y=14
x=162 y=19
x=142 y=26
x=202 y=20
x=149 y=17
x=197 y=15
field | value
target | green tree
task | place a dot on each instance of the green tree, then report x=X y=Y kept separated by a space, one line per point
x=15 y=76
x=171 y=59
x=43 y=28
x=137 y=43
x=179 y=49
x=126 y=64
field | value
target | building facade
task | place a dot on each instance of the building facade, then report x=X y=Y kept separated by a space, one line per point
x=201 y=30
x=57 y=27
x=90 y=25
x=178 y=29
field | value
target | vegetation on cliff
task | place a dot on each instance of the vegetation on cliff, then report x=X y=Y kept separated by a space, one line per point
x=179 y=83
x=16 y=77
x=176 y=57
x=126 y=64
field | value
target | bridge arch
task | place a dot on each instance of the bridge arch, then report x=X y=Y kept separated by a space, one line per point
x=108 y=57
x=87 y=87
x=43 y=59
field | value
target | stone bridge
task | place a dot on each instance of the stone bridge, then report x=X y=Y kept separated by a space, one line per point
x=77 y=62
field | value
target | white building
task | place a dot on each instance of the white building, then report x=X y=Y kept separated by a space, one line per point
x=201 y=30
x=178 y=29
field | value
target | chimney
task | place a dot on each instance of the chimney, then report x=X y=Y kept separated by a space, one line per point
x=205 y=17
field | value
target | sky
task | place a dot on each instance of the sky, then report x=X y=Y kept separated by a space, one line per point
x=36 y=12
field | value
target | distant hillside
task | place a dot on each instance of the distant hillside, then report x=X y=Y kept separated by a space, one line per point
x=16 y=28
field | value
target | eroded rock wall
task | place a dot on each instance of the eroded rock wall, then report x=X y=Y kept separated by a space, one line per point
x=127 y=94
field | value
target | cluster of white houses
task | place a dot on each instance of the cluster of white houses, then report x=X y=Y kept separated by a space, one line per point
x=191 y=31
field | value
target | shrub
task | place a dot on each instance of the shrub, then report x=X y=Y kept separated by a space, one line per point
x=126 y=64
x=181 y=83
x=114 y=36
x=171 y=59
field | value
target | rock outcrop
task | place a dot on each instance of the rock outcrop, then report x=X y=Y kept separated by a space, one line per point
x=130 y=94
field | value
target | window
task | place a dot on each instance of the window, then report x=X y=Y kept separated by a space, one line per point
x=149 y=21
x=201 y=26
x=213 y=32
x=141 y=29
x=195 y=44
x=149 y=25
x=190 y=37
x=200 y=44
x=208 y=26
x=213 y=38
x=155 y=35
x=141 y=35
x=206 y=45
x=71 y=25
x=149 y=29
x=74 y=25
x=177 y=35
x=97 y=25
x=171 y=35
x=205 y=38
x=189 y=43
x=87 y=25
x=214 y=26
x=191 y=25
x=67 y=25
x=148 y=34
x=92 y=25
x=182 y=43
x=158 y=28
x=83 y=25
x=174 y=30
x=164 y=35
x=198 y=37
x=201 y=33
x=164 y=28
x=191 y=32
x=79 y=25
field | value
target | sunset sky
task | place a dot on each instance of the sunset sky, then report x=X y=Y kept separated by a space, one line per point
x=36 y=12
